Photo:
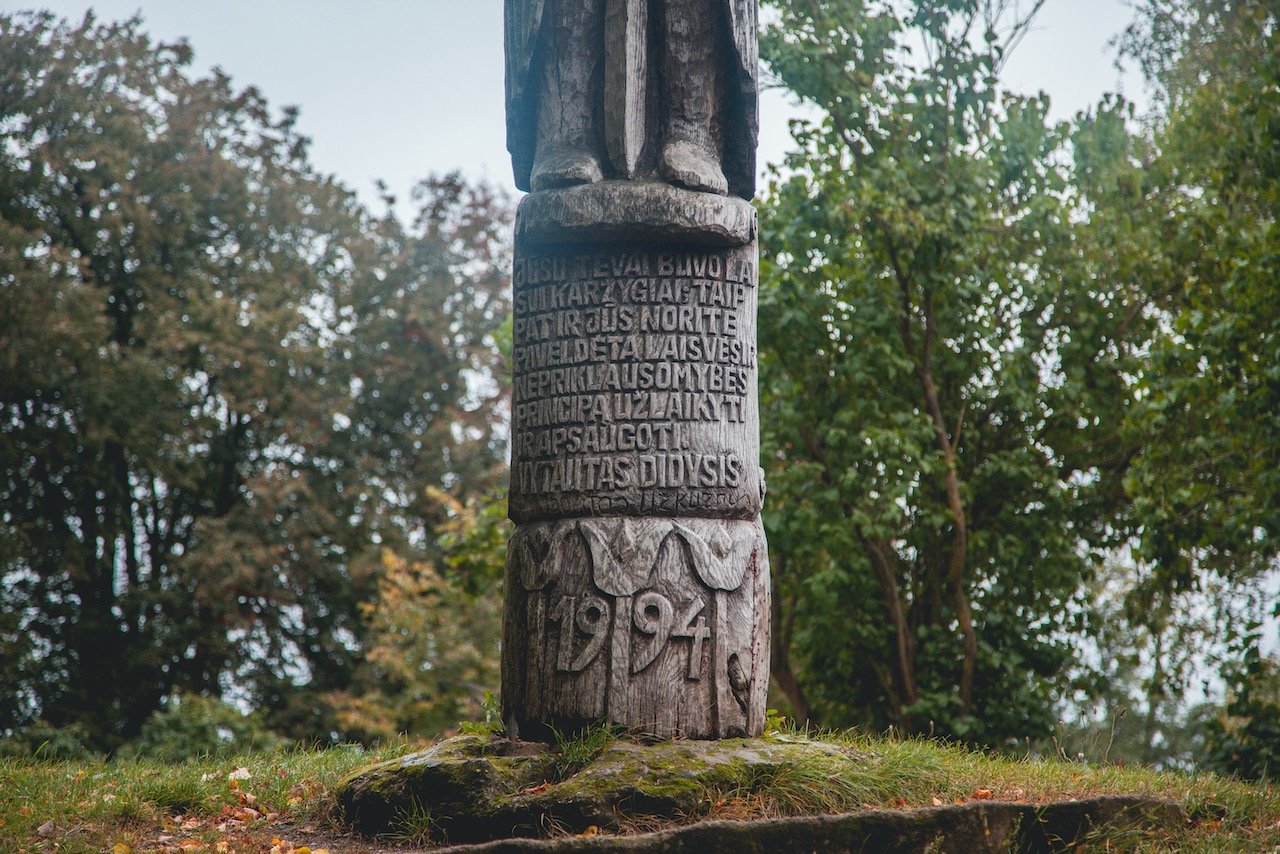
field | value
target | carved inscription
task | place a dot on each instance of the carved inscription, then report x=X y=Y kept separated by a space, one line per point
x=606 y=610
x=635 y=383
x=584 y=629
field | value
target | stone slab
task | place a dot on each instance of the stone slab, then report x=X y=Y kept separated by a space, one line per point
x=497 y=796
x=973 y=828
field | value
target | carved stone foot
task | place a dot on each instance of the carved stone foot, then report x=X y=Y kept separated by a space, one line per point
x=694 y=167
x=565 y=167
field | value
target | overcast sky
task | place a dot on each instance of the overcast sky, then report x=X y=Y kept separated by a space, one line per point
x=398 y=89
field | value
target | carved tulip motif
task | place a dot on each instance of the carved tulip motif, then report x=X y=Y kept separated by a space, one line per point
x=721 y=551
x=622 y=560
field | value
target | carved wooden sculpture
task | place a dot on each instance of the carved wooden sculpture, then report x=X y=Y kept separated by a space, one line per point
x=637 y=579
x=631 y=89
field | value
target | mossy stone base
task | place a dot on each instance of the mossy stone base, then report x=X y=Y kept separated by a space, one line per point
x=477 y=789
x=473 y=789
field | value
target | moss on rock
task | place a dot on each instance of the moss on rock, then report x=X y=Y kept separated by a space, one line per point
x=477 y=789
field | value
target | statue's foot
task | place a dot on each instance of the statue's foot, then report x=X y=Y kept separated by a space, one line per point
x=694 y=167
x=564 y=167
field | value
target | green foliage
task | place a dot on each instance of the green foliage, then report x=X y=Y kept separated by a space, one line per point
x=775 y=723
x=1136 y=705
x=434 y=630
x=492 y=723
x=189 y=727
x=1244 y=741
x=943 y=372
x=41 y=741
x=413 y=823
x=576 y=750
x=225 y=388
x=1207 y=485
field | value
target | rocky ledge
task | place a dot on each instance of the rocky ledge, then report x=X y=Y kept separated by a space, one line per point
x=472 y=790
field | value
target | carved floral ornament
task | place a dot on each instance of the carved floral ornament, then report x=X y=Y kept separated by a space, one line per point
x=623 y=552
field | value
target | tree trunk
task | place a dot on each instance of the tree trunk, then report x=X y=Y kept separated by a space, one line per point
x=780 y=662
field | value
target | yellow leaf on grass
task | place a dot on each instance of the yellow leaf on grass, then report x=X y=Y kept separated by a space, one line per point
x=121 y=848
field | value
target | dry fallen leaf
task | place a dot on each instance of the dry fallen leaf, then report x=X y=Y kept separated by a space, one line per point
x=538 y=789
x=937 y=801
x=46 y=829
x=983 y=794
x=590 y=831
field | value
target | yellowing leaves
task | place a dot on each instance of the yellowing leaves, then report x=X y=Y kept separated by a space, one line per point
x=283 y=846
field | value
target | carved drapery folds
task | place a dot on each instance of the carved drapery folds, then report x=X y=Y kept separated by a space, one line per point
x=633 y=89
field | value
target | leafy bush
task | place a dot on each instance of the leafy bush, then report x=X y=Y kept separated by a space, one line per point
x=45 y=741
x=191 y=726
x=1245 y=740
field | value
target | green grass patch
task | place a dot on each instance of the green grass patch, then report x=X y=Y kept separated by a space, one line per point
x=245 y=803
x=1226 y=815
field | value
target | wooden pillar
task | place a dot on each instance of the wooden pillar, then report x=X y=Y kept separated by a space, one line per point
x=637 y=587
x=637 y=579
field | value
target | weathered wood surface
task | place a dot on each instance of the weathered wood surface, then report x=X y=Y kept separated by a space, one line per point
x=638 y=587
x=638 y=212
x=638 y=578
x=633 y=89
x=625 y=89
x=635 y=383
x=656 y=624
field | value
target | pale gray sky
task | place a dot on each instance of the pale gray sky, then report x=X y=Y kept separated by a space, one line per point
x=397 y=89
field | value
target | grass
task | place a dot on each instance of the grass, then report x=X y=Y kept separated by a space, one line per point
x=1226 y=815
x=415 y=825
x=283 y=803
x=251 y=803
x=576 y=751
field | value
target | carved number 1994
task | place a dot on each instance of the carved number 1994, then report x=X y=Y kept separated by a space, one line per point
x=653 y=614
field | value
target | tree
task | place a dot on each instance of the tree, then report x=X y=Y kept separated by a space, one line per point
x=944 y=370
x=432 y=656
x=1206 y=486
x=224 y=387
x=1208 y=481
